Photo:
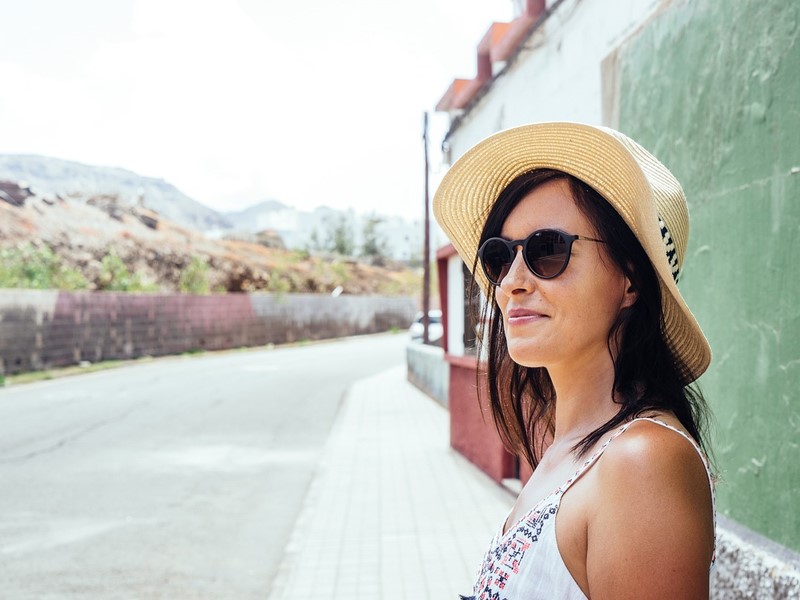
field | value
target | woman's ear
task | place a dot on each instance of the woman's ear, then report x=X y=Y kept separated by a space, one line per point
x=630 y=295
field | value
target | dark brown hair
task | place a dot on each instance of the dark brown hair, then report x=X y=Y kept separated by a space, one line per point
x=648 y=375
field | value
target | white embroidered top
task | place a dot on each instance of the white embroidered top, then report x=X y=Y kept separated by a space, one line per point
x=525 y=563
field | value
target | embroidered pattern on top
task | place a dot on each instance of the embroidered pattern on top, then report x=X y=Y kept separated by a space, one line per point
x=504 y=558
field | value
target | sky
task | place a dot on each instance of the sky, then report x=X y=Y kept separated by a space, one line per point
x=238 y=101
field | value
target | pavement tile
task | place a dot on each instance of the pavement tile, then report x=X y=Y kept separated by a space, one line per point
x=393 y=512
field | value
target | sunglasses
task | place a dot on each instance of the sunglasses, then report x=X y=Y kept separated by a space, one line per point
x=546 y=253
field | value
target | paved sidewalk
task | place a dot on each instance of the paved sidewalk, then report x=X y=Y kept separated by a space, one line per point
x=393 y=512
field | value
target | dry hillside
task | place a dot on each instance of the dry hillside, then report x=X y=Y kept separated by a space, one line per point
x=82 y=231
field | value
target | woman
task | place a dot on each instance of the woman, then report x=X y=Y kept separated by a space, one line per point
x=576 y=235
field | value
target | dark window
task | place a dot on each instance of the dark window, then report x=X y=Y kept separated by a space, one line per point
x=470 y=321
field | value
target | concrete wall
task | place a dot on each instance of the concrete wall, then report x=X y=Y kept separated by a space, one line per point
x=428 y=370
x=728 y=125
x=42 y=329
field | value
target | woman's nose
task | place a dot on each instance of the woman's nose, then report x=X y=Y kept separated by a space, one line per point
x=518 y=278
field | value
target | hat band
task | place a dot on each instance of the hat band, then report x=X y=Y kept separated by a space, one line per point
x=672 y=253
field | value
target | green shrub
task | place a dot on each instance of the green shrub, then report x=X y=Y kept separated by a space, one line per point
x=37 y=268
x=115 y=276
x=194 y=278
x=279 y=282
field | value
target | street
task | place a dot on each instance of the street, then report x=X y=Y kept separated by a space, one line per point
x=176 y=478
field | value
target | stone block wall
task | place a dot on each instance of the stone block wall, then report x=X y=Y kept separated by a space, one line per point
x=44 y=329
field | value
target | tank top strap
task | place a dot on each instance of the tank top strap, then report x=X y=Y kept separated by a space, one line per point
x=589 y=462
x=695 y=445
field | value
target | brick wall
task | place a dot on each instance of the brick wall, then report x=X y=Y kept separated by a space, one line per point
x=43 y=329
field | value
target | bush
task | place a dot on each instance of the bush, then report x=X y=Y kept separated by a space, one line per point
x=115 y=276
x=37 y=268
x=194 y=278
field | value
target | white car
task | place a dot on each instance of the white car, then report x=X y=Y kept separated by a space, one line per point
x=435 y=327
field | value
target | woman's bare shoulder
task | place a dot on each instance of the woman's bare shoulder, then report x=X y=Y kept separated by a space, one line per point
x=650 y=461
x=646 y=446
x=652 y=522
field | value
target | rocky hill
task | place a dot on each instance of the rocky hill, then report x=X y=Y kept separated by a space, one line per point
x=298 y=229
x=84 y=229
x=51 y=176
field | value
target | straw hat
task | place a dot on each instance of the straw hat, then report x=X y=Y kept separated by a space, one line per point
x=633 y=181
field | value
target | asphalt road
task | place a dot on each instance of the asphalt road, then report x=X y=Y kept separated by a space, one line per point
x=180 y=478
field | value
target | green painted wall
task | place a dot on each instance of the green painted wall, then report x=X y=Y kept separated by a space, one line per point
x=713 y=89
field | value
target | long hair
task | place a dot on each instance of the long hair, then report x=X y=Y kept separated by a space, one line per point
x=648 y=374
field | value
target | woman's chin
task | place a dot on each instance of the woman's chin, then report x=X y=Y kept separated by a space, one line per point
x=524 y=355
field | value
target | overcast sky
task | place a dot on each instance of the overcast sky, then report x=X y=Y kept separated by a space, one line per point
x=237 y=101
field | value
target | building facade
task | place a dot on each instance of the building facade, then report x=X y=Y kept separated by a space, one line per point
x=712 y=89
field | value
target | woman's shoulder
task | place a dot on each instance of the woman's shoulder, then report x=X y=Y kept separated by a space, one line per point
x=658 y=449
x=654 y=473
x=652 y=511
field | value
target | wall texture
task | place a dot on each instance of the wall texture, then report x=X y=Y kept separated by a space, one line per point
x=428 y=370
x=712 y=89
x=42 y=329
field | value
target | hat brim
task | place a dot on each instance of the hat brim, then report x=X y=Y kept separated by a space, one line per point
x=610 y=163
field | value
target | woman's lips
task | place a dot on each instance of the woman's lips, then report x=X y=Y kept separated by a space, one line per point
x=523 y=316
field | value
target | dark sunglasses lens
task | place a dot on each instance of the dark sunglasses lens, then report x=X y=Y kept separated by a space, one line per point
x=547 y=253
x=496 y=259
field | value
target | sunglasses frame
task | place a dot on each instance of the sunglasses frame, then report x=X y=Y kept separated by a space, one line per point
x=512 y=245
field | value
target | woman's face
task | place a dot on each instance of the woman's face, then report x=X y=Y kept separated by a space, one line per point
x=565 y=321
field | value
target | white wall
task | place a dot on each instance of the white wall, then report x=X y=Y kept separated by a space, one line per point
x=557 y=77
x=455 y=306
